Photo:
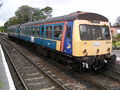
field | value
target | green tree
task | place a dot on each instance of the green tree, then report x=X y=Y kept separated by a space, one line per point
x=11 y=21
x=118 y=36
x=1 y=28
x=116 y=40
x=24 y=13
x=47 y=12
x=37 y=15
x=27 y=14
x=117 y=43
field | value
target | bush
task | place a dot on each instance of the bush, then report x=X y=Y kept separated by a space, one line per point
x=117 y=44
x=1 y=28
x=118 y=35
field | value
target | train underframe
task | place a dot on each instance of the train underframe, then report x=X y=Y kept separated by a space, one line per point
x=78 y=64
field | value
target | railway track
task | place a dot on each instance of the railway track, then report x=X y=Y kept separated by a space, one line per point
x=112 y=72
x=8 y=56
x=93 y=80
x=34 y=78
x=113 y=75
x=100 y=81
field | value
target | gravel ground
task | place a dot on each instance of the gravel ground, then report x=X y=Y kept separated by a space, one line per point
x=116 y=53
x=32 y=77
x=16 y=79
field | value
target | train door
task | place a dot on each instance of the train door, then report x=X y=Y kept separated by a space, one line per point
x=68 y=38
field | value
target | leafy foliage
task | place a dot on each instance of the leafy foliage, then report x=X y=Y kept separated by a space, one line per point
x=116 y=41
x=118 y=35
x=27 y=14
x=1 y=28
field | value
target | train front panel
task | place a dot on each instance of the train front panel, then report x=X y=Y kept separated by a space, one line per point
x=92 y=41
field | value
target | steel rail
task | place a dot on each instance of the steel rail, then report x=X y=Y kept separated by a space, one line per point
x=59 y=85
x=113 y=77
x=5 y=51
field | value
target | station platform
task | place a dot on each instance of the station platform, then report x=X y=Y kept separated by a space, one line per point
x=6 y=82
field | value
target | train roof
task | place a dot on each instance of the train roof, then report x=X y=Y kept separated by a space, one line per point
x=13 y=26
x=73 y=16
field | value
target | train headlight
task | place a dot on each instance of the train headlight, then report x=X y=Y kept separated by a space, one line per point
x=98 y=51
x=85 y=51
x=108 y=50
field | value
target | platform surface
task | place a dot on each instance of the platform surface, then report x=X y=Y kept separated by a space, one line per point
x=6 y=82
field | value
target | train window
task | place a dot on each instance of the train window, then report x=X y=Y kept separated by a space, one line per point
x=42 y=31
x=68 y=32
x=105 y=33
x=22 y=31
x=28 y=31
x=33 y=31
x=58 y=31
x=49 y=31
x=83 y=32
x=37 y=30
x=94 y=32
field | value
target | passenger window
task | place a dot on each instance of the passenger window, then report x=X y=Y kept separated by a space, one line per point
x=83 y=32
x=49 y=31
x=38 y=30
x=105 y=33
x=42 y=31
x=33 y=31
x=28 y=31
x=58 y=31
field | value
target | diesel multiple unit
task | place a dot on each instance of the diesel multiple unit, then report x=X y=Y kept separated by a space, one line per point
x=80 y=39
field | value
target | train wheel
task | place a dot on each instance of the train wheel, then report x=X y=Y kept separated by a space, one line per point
x=77 y=67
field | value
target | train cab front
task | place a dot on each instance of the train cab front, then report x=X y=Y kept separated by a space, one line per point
x=92 y=43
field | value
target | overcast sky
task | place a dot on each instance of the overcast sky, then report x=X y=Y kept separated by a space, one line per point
x=108 y=8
